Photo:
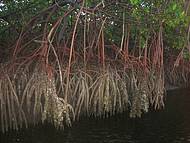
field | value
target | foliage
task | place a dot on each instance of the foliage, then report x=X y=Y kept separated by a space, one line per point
x=141 y=15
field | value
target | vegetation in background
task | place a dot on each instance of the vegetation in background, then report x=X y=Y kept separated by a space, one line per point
x=64 y=59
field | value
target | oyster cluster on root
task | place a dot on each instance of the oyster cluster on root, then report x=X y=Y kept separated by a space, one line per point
x=56 y=110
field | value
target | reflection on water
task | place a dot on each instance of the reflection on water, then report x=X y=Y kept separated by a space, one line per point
x=171 y=125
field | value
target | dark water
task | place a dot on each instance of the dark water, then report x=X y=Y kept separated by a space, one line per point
x=171 y=125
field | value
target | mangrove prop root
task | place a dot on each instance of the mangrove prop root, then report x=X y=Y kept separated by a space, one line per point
x=38 y=98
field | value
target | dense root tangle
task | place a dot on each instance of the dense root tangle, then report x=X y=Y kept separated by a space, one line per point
x=37 y=97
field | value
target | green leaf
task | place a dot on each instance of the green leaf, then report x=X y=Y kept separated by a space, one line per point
x=134 y=2
x=174 y=6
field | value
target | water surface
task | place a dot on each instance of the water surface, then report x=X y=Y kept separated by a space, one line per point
x=171 y=125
